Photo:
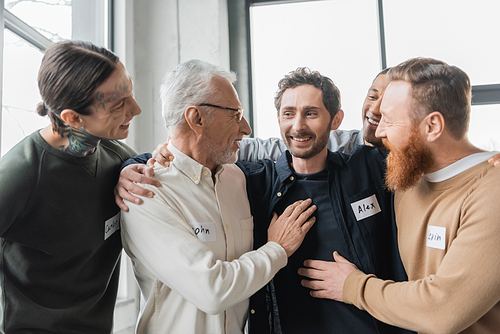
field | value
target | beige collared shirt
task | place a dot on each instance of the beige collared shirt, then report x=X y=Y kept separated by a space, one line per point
x=191 y=245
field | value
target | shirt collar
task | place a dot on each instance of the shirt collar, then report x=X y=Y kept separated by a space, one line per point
x=189 y=167
x=458 y=167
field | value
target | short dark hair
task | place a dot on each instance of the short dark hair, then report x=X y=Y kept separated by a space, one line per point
x=304 y=76
x=437 y=86
x=69 y=74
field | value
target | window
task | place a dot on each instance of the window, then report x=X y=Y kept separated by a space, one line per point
x=351 y=41
x=339 y=40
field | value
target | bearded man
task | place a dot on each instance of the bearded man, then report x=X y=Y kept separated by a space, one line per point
x=447 y=207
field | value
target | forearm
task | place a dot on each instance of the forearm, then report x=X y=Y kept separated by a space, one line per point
x=458 y=295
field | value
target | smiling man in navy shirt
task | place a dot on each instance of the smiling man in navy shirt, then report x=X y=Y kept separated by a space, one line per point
x=354 y=214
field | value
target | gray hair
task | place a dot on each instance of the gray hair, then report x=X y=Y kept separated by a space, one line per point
x=187 y=85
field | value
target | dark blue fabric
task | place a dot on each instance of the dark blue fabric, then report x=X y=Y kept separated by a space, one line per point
x=284 y=306
x=138 y=159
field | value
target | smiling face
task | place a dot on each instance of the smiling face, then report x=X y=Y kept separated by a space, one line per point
x=371 y=111
x=409 y=158
x=395 y=123
x=113 y=108
x=305 y=124
x=223 y=131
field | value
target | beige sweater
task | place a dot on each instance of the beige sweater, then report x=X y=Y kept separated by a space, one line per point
x=453 y=289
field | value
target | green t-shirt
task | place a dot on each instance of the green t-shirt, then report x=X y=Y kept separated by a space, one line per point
x=60 y=244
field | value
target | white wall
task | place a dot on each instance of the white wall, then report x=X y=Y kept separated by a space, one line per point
x=164 y=34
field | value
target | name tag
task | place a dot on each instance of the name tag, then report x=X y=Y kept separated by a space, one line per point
x=112 y=225
x=366 y=207
x=436 y=237
x=204 y=231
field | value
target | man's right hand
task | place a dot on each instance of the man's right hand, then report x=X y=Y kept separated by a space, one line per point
x=291 y=227
x=125 y=187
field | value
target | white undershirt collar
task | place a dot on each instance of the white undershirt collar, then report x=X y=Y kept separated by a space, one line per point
x=458 y=167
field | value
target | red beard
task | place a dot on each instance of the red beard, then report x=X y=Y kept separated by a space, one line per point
x=406 y=166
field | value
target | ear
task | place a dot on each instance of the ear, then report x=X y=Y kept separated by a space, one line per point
x=194 y=119
x=72 y=118
x=433 y=126
x=337 y=119
x=278 y=116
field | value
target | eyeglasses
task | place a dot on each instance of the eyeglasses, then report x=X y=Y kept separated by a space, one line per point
x=239 y=111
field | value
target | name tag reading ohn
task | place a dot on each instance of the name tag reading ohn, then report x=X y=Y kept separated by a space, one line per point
x=436 y=237
x=112 y=225
x=204 y=231
x=366 y=207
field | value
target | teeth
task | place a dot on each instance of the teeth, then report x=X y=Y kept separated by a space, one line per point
x=372 y=121
x=301 y=139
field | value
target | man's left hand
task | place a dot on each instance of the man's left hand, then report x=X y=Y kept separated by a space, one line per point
x=326 y=279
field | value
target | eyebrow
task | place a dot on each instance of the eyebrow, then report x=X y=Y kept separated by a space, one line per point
x=374 y=89
x=305 y=107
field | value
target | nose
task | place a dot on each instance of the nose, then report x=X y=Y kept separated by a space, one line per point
x=299 y=122
x=375 y=107
x=134 y=109
x=245 y=127
x=380 y=132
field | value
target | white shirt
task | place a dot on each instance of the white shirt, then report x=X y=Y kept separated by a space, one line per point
x=196 y=283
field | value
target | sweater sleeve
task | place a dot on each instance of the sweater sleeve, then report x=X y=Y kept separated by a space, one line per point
x=18 y=179
x=464 y=288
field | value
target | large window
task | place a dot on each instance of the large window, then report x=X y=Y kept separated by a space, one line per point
x=334 y=37
x=351 y=41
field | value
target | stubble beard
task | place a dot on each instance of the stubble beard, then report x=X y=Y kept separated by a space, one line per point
x=317 y=147
x=226 y=156
x=407 y=166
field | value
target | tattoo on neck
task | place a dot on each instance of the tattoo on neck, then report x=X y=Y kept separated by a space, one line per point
x=80 y=142
x=108 y=97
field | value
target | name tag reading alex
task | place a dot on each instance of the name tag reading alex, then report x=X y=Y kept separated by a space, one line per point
x=111 y=225
x=204 y=231
x=366 y=207
x=436 y=237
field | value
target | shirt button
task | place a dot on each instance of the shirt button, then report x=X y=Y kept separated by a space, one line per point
x=291 y=178
x=231 y=259
x=279 y=194
x=252 y=311
x=195 y=177
x=205 y=172
x=227 y=227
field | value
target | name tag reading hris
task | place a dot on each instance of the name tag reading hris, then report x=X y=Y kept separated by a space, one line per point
x=204 y=231
x=436 y=237
x=112 y=225
x=366 y=207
